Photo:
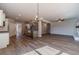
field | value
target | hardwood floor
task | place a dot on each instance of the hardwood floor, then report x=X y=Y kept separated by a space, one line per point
x=19 y=46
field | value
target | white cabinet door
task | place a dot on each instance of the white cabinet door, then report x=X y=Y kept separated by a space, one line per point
x=4 y=39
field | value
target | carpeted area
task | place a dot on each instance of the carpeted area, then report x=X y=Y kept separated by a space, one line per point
x=46 y=50
x=31 y=53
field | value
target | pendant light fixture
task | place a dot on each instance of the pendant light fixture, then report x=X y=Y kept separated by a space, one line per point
x=35 y=20
x=60 y=20
x=37 y=12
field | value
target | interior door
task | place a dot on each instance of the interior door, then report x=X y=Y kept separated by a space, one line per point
x=18 y=29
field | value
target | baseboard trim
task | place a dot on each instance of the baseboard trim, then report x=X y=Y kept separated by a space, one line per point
x=12 y=36
x=63 y=35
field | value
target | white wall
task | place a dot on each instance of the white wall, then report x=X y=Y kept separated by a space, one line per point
x=66 y=27
x=12 y=27
x=39 y=28
x=44 y=28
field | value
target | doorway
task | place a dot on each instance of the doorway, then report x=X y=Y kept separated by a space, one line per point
x=18 y=30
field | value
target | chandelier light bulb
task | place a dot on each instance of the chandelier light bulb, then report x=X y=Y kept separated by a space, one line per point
x=36 y=16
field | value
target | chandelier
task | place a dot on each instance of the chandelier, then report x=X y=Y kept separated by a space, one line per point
x=37 y=12
x=36 y=18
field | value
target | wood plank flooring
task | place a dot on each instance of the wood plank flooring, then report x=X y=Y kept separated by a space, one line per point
x=24 y=44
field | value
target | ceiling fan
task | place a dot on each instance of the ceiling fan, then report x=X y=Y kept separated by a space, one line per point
x=36 y=18
x=59 y=20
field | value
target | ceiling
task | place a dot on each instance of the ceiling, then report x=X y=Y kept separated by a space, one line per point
x=48 y=11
